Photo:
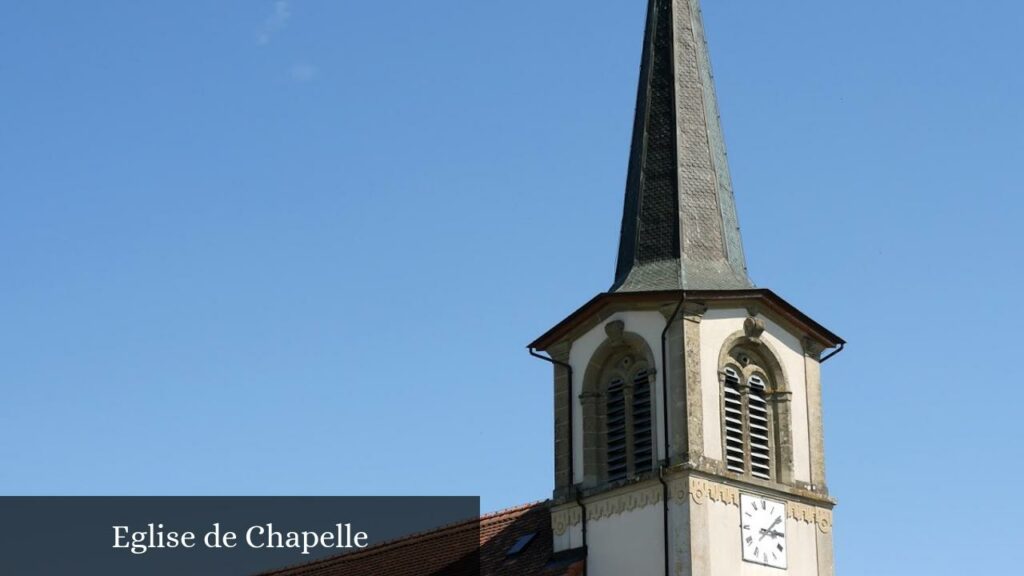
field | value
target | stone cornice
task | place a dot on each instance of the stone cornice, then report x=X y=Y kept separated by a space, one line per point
x=604 y=305
x=714 y=470
x=640 y=496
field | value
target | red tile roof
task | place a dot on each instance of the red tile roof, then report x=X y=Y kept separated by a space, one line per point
x=454 y=550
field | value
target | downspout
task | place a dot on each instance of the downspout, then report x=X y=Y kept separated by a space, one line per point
x=833 y=353
x=668 y=433
x=572 y=460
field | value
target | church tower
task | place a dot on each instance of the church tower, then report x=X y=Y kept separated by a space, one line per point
x=688 y=424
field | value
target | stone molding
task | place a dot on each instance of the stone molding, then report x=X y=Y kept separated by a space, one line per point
x=561 y=520
x=812 y=349
x=614 y=330
x=624 y=502
x=694 y=311
x=753 y=327
x=701 y=491
x=560 y=351
x=811 y=515
x=668 y=309
x=748 y=354
x=606 y=506
x=607 y=361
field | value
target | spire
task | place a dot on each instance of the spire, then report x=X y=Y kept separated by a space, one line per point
x=679 y=225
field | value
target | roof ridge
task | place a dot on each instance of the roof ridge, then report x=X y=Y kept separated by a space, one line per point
x=512 y=509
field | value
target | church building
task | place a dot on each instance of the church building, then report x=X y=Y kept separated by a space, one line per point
x=688 y=434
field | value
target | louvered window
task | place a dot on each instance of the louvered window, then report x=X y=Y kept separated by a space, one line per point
x=618 y=465
x=746 y=425
x=735 y=451
x=629 y=424
x=760 y=454
x=643 y=440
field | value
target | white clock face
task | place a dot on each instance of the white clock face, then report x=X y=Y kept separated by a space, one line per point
x=763 y=527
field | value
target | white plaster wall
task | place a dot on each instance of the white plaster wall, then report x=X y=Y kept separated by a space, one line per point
x=727 y=552
x=802 y=539
x=649 y=326
x=716 y=326
x=791 y=354
x=627 y=544
x=571 y=539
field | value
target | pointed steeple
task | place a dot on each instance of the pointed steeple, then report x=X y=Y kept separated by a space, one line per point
x=679 y=224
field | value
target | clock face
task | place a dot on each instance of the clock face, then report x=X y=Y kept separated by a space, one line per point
x=763 y=527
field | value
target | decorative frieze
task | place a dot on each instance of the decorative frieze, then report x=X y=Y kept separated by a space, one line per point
x=606 y=507
x=811 y=515
x=561 y=520
x=701 y=491
x=625 y=502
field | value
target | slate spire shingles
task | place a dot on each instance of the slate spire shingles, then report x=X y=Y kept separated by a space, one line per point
x=679 y=224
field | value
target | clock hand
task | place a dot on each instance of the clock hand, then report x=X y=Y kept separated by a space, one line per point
x=770 y=529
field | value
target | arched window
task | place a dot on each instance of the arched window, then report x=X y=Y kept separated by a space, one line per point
x=747 y=418
x=628 y=418
x=618 y=402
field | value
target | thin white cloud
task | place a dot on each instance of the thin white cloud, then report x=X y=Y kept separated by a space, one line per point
x=276 y=22
x=303 y=71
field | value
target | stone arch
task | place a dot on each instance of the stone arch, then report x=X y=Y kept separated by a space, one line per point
x=746 y=352
x=624 y=353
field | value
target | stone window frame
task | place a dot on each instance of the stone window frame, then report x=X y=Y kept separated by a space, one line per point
x=763 y=361
x=746 y=372
x=604 y=365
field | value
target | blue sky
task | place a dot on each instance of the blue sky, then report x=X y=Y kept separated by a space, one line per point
x=299 y=247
